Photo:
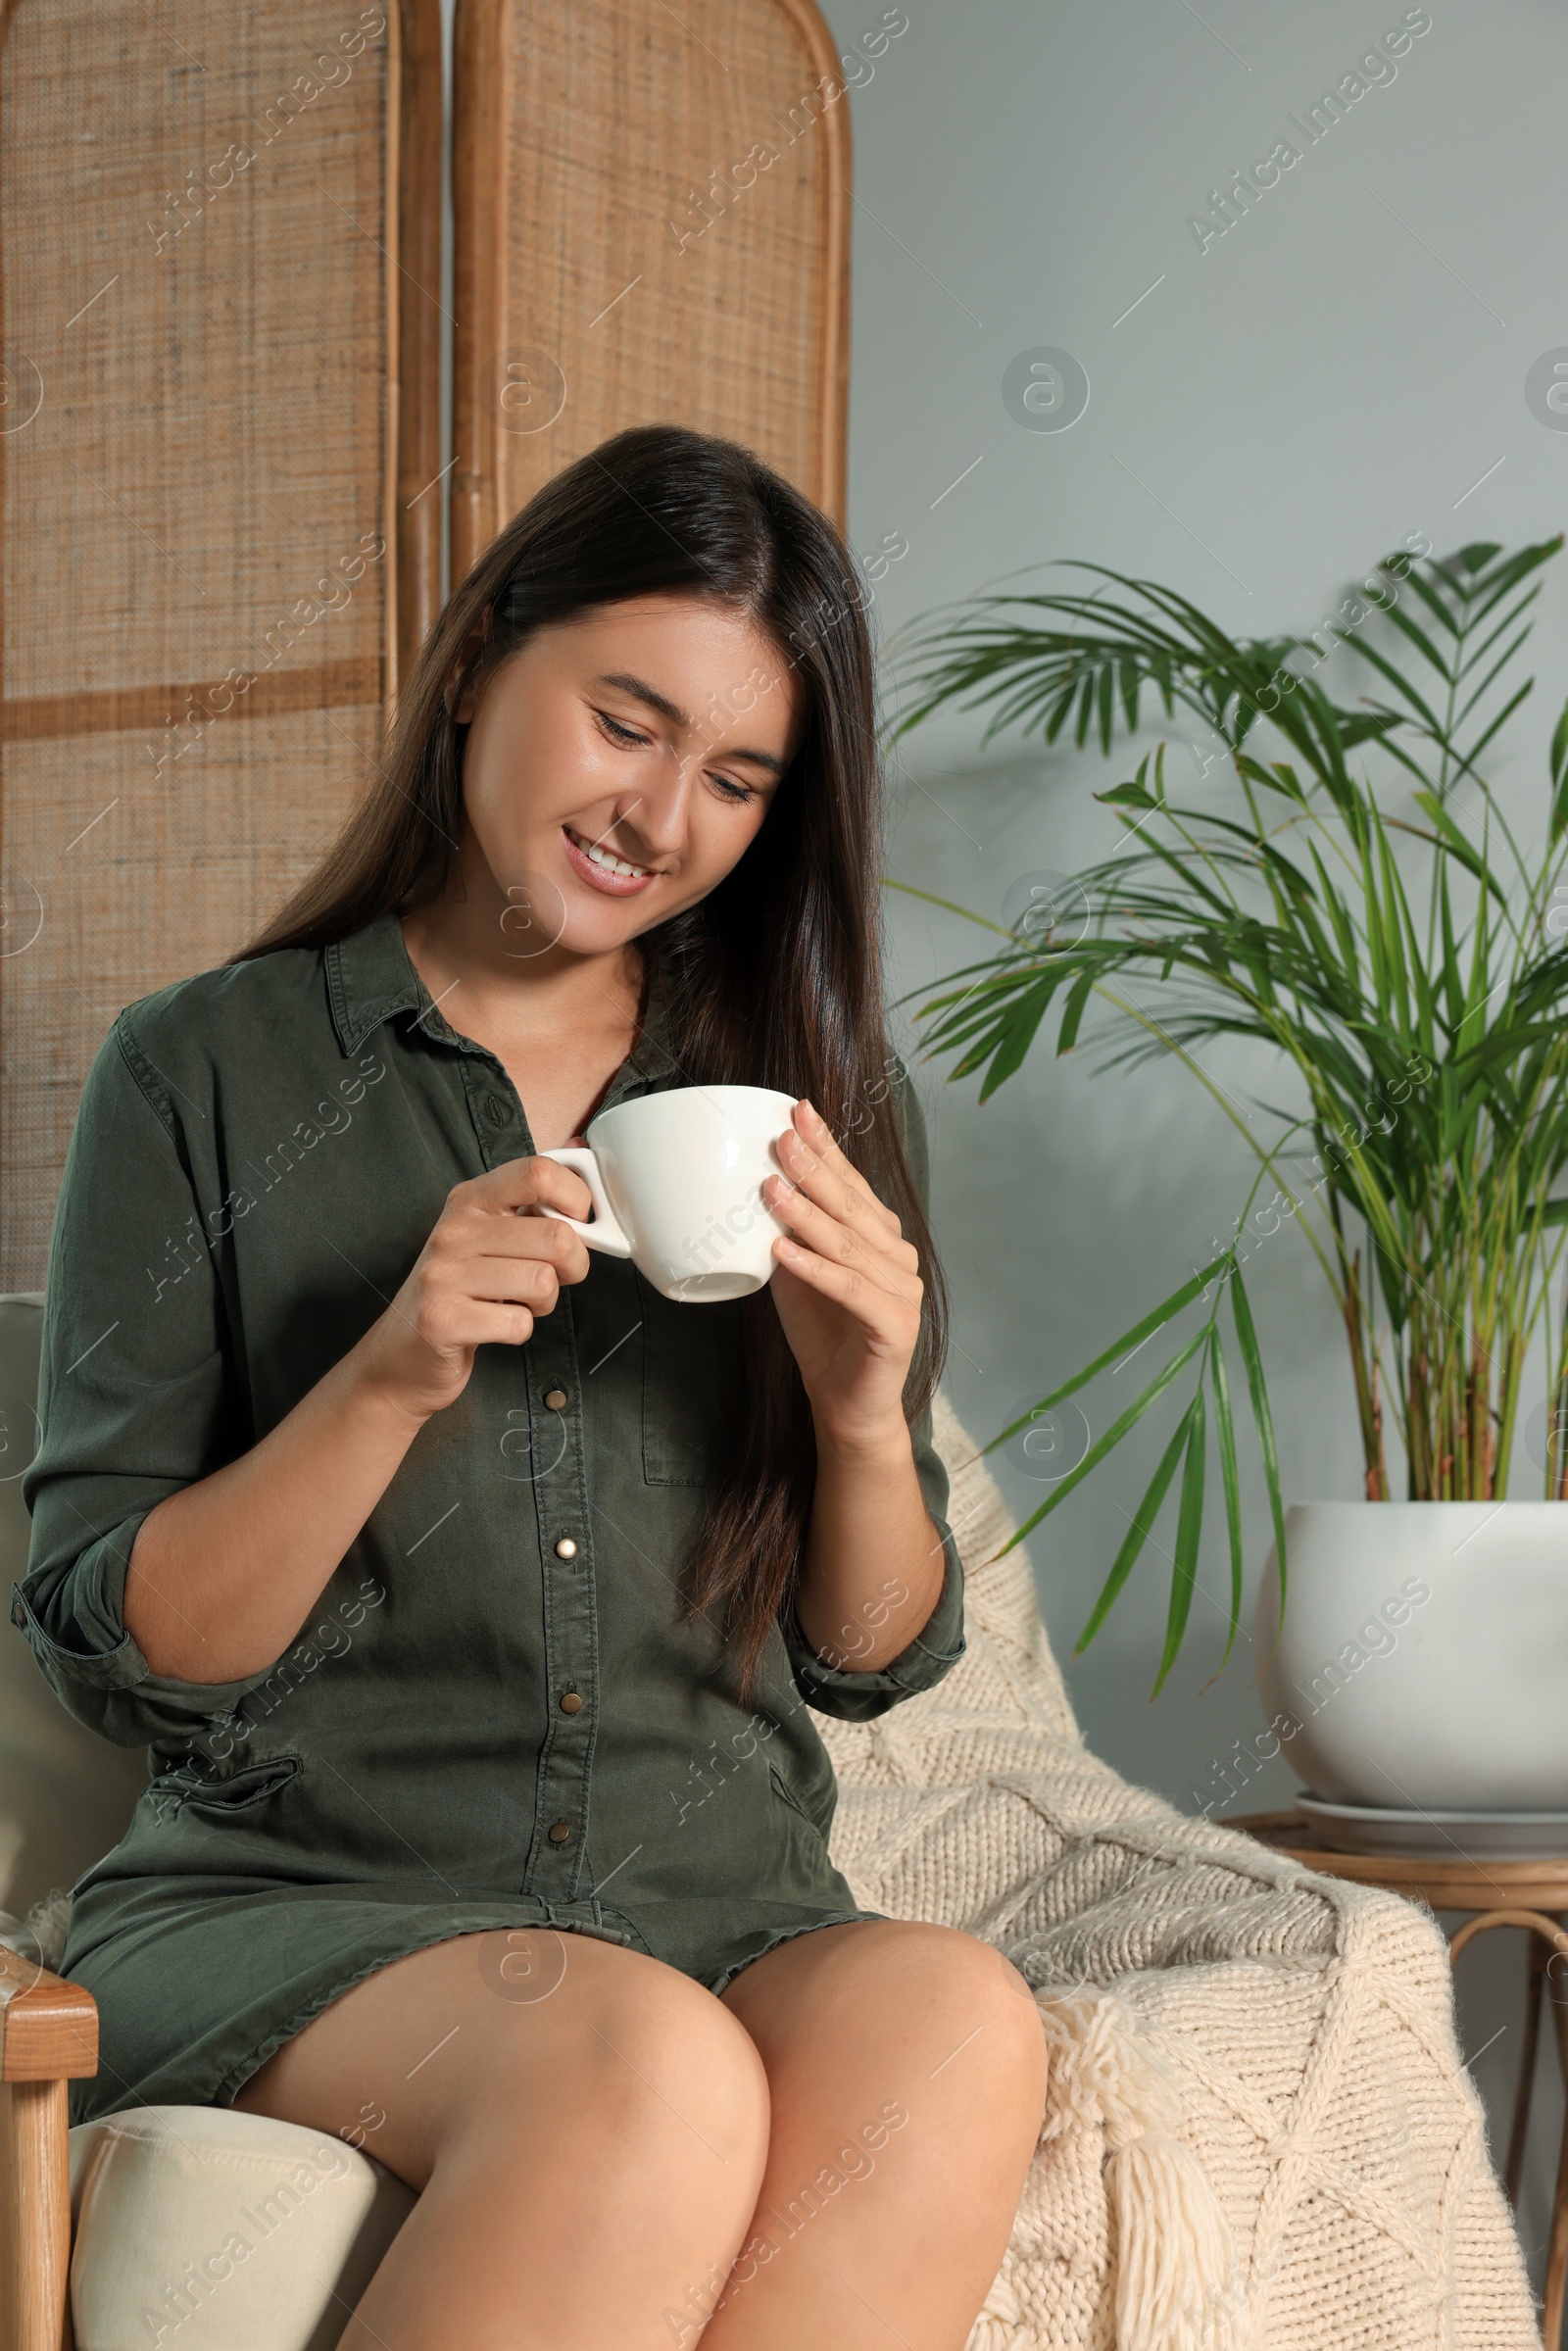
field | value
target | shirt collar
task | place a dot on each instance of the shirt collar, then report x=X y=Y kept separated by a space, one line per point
x=371 y=975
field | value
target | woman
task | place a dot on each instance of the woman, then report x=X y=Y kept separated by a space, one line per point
x=471 y=1596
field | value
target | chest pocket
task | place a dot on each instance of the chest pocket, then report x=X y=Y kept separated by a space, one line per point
x=215 y=1794
x=693 y=1387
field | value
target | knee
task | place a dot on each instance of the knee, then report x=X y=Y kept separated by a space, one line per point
x=658 y=2043
x=638 y=2051
x=976 y=2001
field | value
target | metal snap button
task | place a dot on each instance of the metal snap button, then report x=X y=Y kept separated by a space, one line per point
x=571 y=1702
x=559 y=1831
x=566 y=1548
x=555 y=1398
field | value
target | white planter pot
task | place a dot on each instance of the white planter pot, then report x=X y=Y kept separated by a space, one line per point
x=1424 y=1657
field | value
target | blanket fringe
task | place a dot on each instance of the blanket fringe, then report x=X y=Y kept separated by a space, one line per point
x=1176 y=2282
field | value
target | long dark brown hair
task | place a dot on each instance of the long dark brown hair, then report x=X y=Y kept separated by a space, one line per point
x=779 y=967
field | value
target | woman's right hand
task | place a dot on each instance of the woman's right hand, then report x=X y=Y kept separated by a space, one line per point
x=488 y=1271
x=223 y=1572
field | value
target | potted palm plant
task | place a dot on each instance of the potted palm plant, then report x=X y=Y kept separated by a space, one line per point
x=1405 y=958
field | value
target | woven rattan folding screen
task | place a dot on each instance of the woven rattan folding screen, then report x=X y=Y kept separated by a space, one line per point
x=652 y=222
x=218 y=263
x=219 y=338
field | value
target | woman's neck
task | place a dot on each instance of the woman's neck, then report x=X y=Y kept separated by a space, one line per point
x=488 y=960
x=561 y=1025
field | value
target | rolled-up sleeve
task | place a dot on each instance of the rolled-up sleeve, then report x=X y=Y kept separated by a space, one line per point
x=135 y=1398
x=841 y=1690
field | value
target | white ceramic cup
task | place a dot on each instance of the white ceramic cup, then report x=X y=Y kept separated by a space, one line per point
x=676 y=1180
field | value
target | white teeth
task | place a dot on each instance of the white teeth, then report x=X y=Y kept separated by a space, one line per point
x=605 y=859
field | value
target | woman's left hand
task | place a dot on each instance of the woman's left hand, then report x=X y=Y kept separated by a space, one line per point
x=847 y=1286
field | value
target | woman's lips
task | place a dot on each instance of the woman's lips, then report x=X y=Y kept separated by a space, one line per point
x=614 y=885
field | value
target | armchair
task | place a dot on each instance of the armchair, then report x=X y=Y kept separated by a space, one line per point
x=1260 y=2129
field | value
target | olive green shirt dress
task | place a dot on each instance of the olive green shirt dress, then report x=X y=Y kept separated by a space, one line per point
x=493 y=1716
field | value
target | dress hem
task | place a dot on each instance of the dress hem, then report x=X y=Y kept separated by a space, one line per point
x=208 y=2073
x=837 y=1918
x=235 y=2081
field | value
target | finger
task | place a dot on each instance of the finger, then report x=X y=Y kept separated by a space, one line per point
x=895 y=1261
x=531 y=1182
x=487 y=1325
x=811 y=1138
x=887 y=1315
x=447 y=1304
x=883 y=1255
x=515 y=1281
x=473 y=1233
x=806 y=1150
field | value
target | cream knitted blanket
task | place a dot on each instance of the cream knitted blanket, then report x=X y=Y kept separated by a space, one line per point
x=1259 y=2132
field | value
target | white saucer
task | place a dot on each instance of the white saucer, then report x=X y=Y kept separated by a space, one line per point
x=1444 y=1836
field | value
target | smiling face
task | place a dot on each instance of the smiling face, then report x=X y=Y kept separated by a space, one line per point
x=625 y=759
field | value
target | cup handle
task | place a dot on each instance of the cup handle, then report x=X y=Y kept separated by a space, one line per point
x=605 y=1232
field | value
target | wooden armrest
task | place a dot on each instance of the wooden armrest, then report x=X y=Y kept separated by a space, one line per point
x=48 y=2036
x=48 y=2027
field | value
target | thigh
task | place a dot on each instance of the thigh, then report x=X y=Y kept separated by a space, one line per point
x=506 y=2023
x=907 y=2072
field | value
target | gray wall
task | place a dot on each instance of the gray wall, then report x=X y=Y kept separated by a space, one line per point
x=1338 y=369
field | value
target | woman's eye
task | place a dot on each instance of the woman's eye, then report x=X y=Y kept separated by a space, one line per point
x=617 y=732
x=740 y=794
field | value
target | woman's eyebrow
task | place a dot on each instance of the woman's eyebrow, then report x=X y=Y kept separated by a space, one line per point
x=641 y=691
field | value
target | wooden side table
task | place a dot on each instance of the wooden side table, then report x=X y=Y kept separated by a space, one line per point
x=1531 y=1894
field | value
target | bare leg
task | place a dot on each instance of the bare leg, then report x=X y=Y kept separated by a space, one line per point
x=908 y=2070
x=586 y=2127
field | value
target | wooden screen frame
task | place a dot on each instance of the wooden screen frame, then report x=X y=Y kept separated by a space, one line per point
x=413 y=167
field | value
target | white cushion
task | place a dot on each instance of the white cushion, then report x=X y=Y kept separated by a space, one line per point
x=222 y=2231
